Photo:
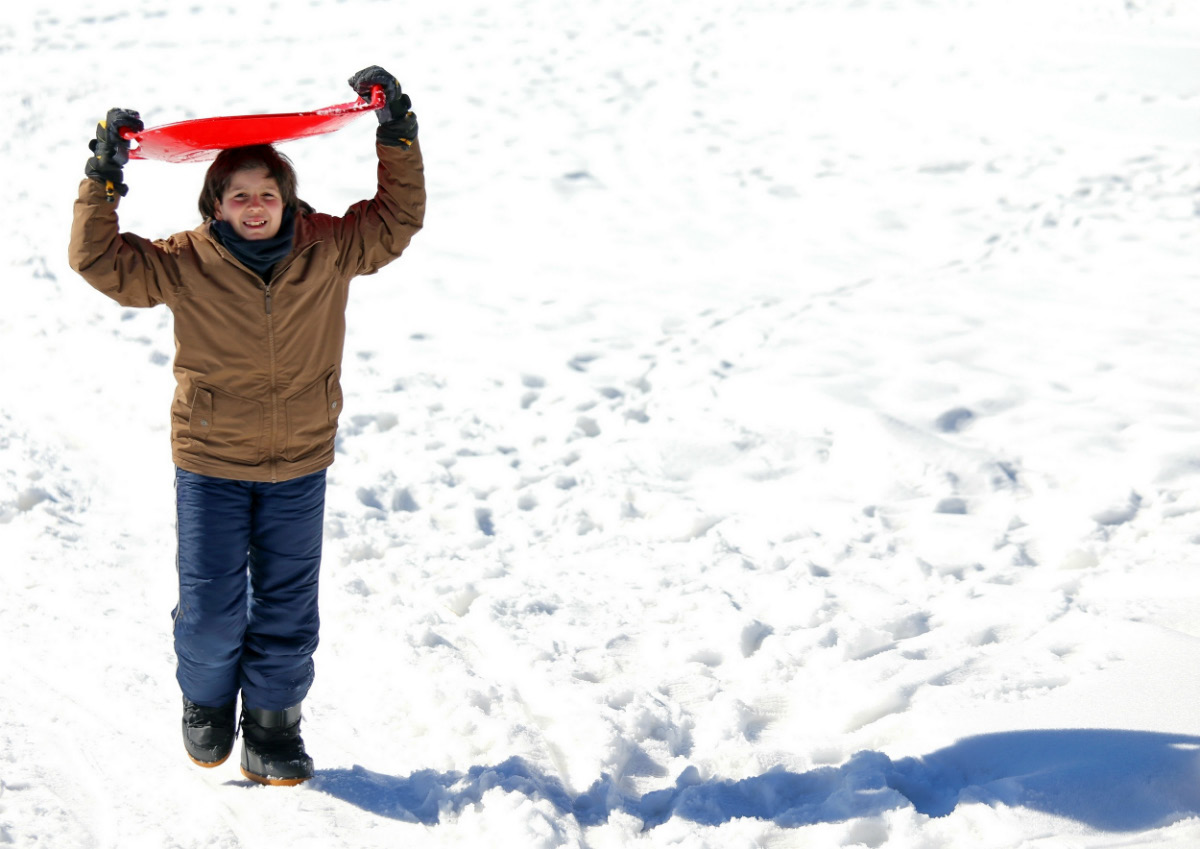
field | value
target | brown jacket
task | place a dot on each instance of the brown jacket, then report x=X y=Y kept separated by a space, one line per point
x=257 y=365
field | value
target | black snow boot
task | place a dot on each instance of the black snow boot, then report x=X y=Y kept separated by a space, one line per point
x=208 y=732
x=272 y=749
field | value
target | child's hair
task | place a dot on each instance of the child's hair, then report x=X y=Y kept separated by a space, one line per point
x=235 y=159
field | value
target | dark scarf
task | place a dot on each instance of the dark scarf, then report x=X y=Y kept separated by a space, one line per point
x=258 y=254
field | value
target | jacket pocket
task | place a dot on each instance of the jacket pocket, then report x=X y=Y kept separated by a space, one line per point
x=228 y=427
x=311 y=417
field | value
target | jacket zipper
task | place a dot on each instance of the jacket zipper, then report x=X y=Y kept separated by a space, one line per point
x=274 y=387
x=272 y=459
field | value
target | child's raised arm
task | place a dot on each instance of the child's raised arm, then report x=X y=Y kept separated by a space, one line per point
x=123 y=266
x=374 y=232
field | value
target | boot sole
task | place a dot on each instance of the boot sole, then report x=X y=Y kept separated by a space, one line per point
x=273 y=782
x=208 y=764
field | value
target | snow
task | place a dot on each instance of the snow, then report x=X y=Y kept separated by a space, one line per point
x=783 y=433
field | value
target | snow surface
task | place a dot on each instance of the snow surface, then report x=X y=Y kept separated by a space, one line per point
x=783 y=434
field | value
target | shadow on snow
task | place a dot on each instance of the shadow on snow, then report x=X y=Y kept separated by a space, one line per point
x=1110 y=780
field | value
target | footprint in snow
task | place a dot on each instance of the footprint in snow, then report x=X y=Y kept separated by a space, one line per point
x=587 y=426
x=533 y=384
x=580 y=362
x=955 y=420
x=753 y=636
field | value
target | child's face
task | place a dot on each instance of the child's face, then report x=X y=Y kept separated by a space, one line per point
x=253 y=204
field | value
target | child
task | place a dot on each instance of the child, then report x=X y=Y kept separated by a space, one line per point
x=258 y=294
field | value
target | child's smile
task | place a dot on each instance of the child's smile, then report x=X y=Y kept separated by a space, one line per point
x=253 y=204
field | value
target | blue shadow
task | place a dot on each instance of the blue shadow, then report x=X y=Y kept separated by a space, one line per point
x=1111 y=780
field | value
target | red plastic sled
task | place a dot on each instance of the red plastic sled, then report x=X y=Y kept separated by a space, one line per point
x=202 y=138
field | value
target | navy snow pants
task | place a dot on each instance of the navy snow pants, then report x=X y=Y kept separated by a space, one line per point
x=249 y=558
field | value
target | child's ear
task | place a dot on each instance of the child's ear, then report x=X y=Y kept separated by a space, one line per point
x=217 y=212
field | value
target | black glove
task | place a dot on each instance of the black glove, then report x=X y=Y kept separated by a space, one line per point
x=397 y=123
x=111 y=151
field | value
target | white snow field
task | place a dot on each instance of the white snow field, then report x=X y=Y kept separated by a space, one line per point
x=784 y=433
